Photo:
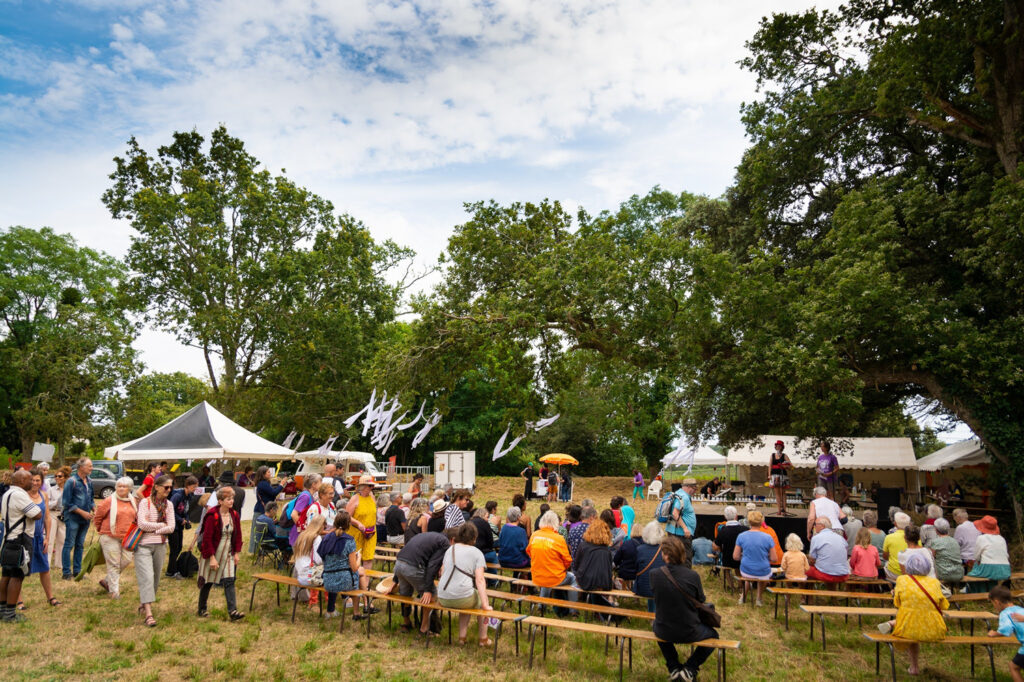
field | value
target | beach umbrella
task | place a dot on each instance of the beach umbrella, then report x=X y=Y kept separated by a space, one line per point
x=559 y=458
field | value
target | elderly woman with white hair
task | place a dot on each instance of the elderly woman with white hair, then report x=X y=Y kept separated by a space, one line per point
x=919 y=604
x=966 y=535
x=549 y=558
x=928 y=533
x=648 y=560
x=852 y=527
x=725 y=537
x=114 y=515
x=946 y=553
x=895 y=543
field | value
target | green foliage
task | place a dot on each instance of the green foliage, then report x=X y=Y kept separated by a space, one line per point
x=64 y=336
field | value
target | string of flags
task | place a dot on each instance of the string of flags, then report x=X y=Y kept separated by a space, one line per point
x=500 y=450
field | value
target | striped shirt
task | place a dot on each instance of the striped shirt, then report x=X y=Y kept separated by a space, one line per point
x=155 y=531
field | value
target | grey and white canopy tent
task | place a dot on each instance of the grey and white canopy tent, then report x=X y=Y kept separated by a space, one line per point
x=200 y=433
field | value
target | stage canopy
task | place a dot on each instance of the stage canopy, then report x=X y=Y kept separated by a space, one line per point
x=703 y=457
x=964 y=453
x=200 y=433
x=866 y=453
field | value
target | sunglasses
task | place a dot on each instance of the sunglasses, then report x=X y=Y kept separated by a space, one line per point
x=166 y=487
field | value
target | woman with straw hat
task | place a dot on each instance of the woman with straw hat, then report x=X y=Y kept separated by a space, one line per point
x=362 y=509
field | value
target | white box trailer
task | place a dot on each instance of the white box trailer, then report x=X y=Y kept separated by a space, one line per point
x=457 y=467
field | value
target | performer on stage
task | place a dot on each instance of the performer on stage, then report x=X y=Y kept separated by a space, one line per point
x=778 y=468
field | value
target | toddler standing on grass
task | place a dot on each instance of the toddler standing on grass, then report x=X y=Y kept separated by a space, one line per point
x=794 y=561
x=1011 y=622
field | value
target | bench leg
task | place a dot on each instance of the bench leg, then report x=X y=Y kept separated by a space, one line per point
x=787 y=613
x=369 y=616
x=972 y=660
x=278 y=586
x=545 y=642
x=630 y=654
x=533 y=639
x=622 y=646
x=992 y=662
x=341 y=626
x=497 y=636
x=295 y=604
x=725 y=667
x=252 y=596
x=810 y=637
x=449 y=628
x=822 y=616
x=776 y=614
x=877 y=658
x=892 y=659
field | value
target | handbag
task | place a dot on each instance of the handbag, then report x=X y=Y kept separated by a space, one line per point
x=132 y=538
x=706 y=613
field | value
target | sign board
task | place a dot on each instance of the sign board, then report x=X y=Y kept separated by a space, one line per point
x=42 y=452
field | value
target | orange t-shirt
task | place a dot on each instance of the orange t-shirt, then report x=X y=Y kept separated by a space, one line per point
x=549 y=557
x=765 y=528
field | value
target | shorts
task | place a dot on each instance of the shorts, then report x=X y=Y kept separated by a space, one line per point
x=778 y=481
x=15 y=573
x=470 y=602
x=1018 y=660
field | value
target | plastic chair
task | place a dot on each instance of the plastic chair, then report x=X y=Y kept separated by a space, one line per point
x=654 y=489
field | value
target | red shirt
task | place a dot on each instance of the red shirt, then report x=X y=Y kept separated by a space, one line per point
x=147 y=486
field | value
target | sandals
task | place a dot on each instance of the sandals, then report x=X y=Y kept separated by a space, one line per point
x=105 y=585
x=202 y=614
x=150 y=622
x=405 y=627
x=20 y=606
x=462 y=641
x=486 y=642
x=54 y=601
x=236 y=615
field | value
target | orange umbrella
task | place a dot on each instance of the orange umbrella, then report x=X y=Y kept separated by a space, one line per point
x=559 y=458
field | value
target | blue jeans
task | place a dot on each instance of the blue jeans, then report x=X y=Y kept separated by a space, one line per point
x=573 y=595
x=75 y=528
x=491 y=558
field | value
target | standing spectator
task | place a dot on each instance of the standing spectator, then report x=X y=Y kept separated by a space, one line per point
x=512 y=541
x=206 y=479
x=323 y=506
x=416 y=567
x=933 y=512
x=565 y=486
x=527 y=474
x=220 y=549
x=648 y=559
x=828 y=469
x=453 y=516
x=827 y=555
x=683 y=521
x=852 y=527
x=725 y=537
x=416 y=489
x=78 y=513
x=39 y=562
x=461 y=585
x=146 y=489
x=227 y=480
x=864 y=561
x=966 y=535
x=552 y=485
x=363 y=512
x=919 y=604
x=823 y=507
x=794 y=562
x=550 y=558
x=55 y=501
x=755 y=551
x=677 y=591
x=302 y=504
x=576 y=531
x=17 y=514
x=893 y=545
x=395 y=522
x=1010 y=618
x=991 y=557
x=156 y=521
x=946 y=553
x=343 y=569
x=114 y=516
x=180 y=502
x=484 y=539
x=638 y=484
x=246 y=478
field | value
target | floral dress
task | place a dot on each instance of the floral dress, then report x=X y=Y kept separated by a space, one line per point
x=225 y=557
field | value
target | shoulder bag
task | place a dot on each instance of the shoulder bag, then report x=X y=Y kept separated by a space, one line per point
x=930 y=598
x=705 y=612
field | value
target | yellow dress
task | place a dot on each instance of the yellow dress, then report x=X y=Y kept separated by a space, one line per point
x=366 y=514
x=916 y=616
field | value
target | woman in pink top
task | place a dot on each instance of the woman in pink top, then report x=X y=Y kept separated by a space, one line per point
x=864 y=560
x=156 y=520
x=113 y=517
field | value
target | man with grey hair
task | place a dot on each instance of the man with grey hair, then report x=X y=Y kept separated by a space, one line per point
x=946 y=551
x=852 y=527
x=78 y=513
x=966 y=534
x=725 y=537
x=822 y=506
x=928 y=533
x=394 y=521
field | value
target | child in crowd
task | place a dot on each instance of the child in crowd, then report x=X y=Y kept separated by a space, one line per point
x=794 y=561
x=864 y=559
x=1011 y=622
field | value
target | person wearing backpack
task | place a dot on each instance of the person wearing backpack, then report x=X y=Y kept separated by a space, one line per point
x=297 y=508
x=180 y=503
x=682 y=519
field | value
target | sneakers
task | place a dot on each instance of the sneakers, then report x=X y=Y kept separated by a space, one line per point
x=682 y=675
x=885 y=628
x=331 y=614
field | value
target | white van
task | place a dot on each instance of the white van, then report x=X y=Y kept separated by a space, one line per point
x=351 y=465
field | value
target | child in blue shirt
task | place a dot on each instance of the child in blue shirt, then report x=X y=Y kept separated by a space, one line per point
x=1011 y=622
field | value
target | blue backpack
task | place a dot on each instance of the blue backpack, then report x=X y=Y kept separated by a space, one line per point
x=663 y=513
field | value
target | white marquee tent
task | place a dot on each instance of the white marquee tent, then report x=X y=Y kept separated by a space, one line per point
x=965 y=453
x=704 y=456
x=200 y=433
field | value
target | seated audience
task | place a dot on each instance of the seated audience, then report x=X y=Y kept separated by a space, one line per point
x=919 y=604
x=827 y=554
x=794 y=562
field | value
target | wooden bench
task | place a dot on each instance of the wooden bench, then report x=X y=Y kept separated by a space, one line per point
x=499 y=567
x=892 y=640
x=288 y=581
x=618 y=594
x=882 y=612
x=957 y=599
x=787 y=592
x=624 y=636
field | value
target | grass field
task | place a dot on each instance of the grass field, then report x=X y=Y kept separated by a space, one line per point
x=95 y=638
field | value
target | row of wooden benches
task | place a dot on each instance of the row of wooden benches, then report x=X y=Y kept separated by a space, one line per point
x=624 y=637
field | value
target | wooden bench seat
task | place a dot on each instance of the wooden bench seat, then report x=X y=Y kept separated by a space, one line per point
x=882 y=612
x=787 y=592
x=288 y=581
x=618 y=594
x=624 y=636
x=956 y=640
x=957 y=598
